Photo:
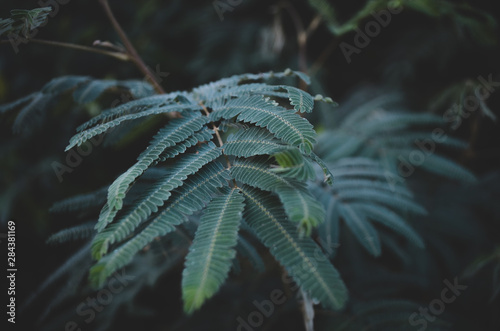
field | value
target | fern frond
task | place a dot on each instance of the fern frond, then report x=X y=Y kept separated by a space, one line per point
x=53 y=88
x=87 y=134
x=371 y=194
x=354 y=183
x=138 y=88
x=92 y=90
x=447 y=168
x=300 y=205
x=337 y=144
x=79 y=232
x=204 y=135
x=398 y=121
x=302 y=101
x=391 y=220
x=209 y=259
x=189 y=198
x=293 y=164
x=359 y=167
x=133 y=107
x=213 y=96
x=63 y=84
x=391 y=135
x=326 y=171
x=253 y=141
x=329 y=230
x=362 y=192
x=23 y=21
x=245 y=78
x=403 y=139
x=174 y=132
x=81 y=202
x=16 y=103
x=361 y=228
x=85 y=90
x=29 y=113
x=301 y=257
x=286 y=125
x=151 y=200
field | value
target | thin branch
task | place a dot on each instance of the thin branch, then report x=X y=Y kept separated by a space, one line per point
x=116 y=55
x=216 y=131
x=324 y=56
x=301 y=35
x=313 y=25
x=130 y=48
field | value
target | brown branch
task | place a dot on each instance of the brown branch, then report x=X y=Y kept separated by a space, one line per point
x=313 y=25
x=301 y=35
x=216 y=130
x=324 y=56
x=130 y=48
x=116 y=55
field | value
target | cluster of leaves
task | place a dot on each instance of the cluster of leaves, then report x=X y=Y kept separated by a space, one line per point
x=232 y=150
x=23 y=22
x=84 y=90
x=234 y=166
x=257 y=173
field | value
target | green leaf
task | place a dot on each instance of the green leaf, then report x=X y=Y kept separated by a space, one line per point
x=91 y=91
x=300 y=205
x=302 y=101
x=447 y=168
x=63 y=84
x=132 y=107
x=81 y=202
x=326 y=171
x=150 y=201
x=24 y=21
x=361 y=228
x=293 y=164
x=202 y=136
x=209 y=259
x=300 y=256
x=189 y=198
x=85 y=135
x=329 y=230
x=78 y=232
x=396 y=202
x=284 y=124
x=28 y=115
x=174 y=132
x=253 y=141
x=17 y=103
x=392 y=220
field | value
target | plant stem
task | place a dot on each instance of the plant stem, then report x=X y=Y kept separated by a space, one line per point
x=324 y=56
x=215 y=129
x=116 y=55
x=130 y=48
x=301 y=35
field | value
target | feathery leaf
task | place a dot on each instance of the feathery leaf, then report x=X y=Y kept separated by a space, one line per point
x=150 y=201
x=209 y=259
x=301 y=257
x=189 y=198
x=300 y=205
x=285 y=125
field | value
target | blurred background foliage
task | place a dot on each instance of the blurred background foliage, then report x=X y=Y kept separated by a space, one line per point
x=430 y=55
